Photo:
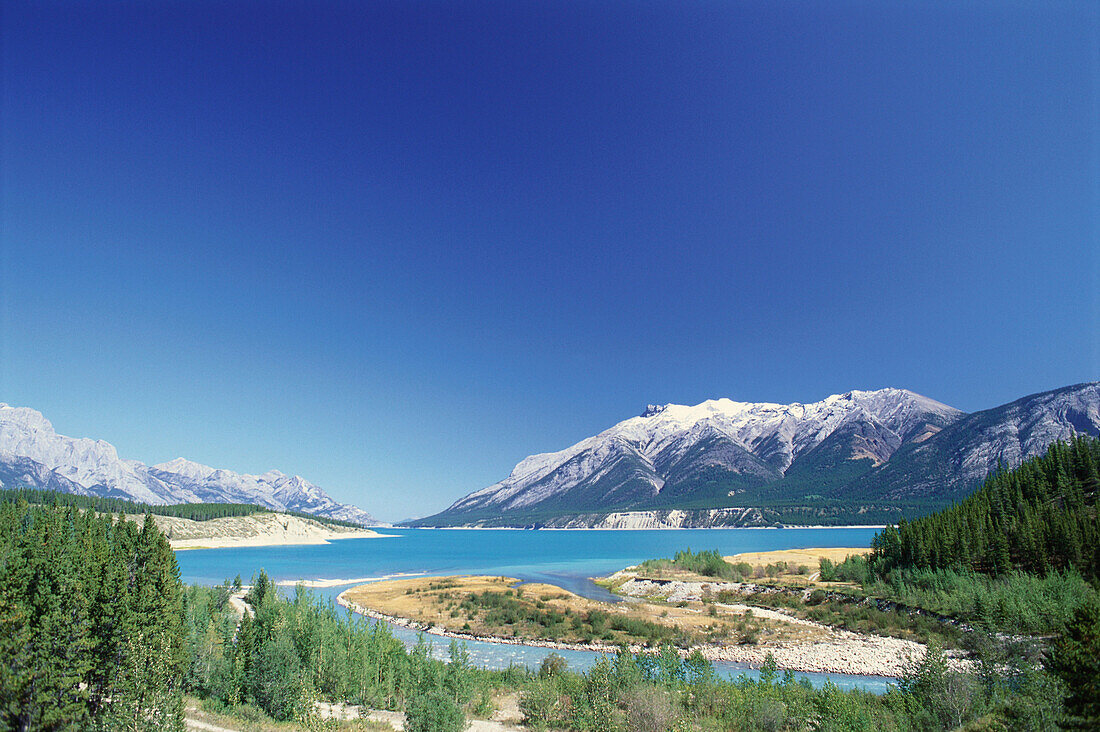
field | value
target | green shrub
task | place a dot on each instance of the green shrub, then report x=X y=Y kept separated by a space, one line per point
x=766 y=715
x=553 y=665
x=433 y=712
x=707 y=563
x=542 y=705
x=649 y=709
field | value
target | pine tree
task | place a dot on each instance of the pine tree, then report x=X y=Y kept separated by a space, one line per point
x=1076 y=659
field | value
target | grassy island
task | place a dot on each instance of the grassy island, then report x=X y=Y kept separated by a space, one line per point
x=501 y=607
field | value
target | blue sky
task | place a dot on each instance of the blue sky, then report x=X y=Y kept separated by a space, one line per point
x=395 y=247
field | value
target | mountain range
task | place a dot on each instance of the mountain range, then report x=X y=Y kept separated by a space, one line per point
x=858 y=457
x=33 y=455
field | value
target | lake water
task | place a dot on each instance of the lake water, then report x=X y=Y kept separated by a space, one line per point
x=567 y=559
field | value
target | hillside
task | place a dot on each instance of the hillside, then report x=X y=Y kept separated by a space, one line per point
x=258 y=529
x=964 y=453
x=861 y=457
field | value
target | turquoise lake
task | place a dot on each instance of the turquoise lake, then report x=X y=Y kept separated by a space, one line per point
x=567 y=559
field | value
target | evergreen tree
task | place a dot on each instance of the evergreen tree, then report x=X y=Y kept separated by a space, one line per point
x=79 y=646
x=1076 y=659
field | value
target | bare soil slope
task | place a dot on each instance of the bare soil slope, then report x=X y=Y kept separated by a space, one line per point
x=258 y=529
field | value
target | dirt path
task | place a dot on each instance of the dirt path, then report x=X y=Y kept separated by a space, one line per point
x=240 y=606
x=396 y=720
x=196 y=724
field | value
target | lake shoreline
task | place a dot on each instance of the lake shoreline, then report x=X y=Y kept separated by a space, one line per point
x=261 y=529
x=844 y=652
x=183 y=545
x=641 y=528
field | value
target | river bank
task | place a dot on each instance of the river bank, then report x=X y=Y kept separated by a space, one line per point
x=818 y=649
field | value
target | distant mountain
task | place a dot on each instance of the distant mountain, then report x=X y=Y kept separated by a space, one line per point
x=863 y=456
x=708 y=455
x=951 y=465
x=33 y=455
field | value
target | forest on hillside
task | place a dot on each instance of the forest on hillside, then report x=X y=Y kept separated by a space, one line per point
x=1039 y=518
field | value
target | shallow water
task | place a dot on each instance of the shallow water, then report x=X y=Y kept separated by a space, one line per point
x=567 y=559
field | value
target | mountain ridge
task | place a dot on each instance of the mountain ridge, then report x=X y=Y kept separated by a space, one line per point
x=737 y=425
x=881 y=447
x=33 y=454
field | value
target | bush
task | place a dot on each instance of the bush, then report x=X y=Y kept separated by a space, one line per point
x=941 y=698
x=553 y=665
x=707 y=563
x=433 y=712
x=1076 y=659
x=648 y=709
x=766 y=715
x=541 y=704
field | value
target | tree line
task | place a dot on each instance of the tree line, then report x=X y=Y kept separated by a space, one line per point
x=193 y=511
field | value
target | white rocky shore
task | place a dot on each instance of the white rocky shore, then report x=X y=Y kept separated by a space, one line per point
x=839 y=651
x=671 y=519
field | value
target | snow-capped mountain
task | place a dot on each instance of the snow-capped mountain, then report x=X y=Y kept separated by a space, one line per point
x=32 y=454
x=675 y=453
x=858 y=453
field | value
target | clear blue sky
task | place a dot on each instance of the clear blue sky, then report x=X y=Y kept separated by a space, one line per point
x=395 y=247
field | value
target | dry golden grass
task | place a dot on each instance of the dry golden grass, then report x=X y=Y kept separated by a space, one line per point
x=438 y=601
x=785 y=565
x=795 y=557
x=808 y=558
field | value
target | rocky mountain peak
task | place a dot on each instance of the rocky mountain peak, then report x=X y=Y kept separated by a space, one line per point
x=24 y=418
x=32 y=454
x=672 y=447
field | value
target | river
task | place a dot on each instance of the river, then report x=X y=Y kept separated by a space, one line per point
x=567 y=559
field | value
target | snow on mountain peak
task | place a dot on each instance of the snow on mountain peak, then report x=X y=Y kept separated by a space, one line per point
x=25 y=417
x=189 y=468
x=95 y=467
x=773 y=435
